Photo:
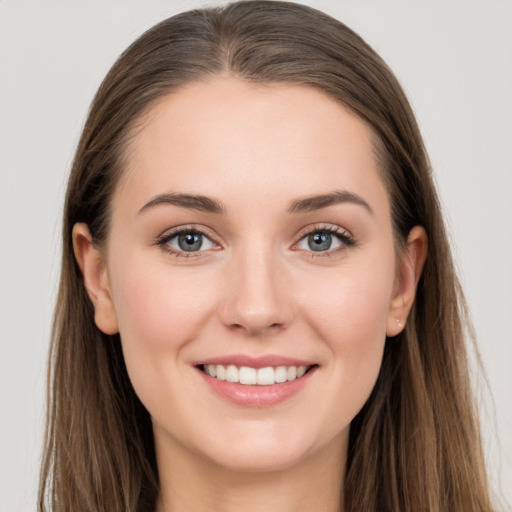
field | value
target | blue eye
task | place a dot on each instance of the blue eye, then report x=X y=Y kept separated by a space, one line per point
x=186 y=241
x=320 y=241
x=190 y=242
x=324 y=240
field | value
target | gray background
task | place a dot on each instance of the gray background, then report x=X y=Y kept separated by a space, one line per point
x=454 y=59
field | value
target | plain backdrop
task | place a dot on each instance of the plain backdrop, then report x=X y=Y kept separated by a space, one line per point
x=454 y=59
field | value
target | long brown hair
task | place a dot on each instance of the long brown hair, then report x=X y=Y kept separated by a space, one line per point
x=415 y=445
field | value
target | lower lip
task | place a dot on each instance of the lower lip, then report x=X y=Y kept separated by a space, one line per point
x=256 y=396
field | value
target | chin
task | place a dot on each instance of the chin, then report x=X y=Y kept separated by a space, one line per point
x=255 y=449
x=253 y=459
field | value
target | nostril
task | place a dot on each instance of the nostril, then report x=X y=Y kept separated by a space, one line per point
x=256 y=328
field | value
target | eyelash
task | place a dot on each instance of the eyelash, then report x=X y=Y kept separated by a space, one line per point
x=341 y=234
x=346 y=239
x=163 y=240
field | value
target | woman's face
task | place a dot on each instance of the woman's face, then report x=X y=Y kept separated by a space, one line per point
x=251 y=239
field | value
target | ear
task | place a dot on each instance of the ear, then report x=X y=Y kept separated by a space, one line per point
x=409 y=271
x=91 y=262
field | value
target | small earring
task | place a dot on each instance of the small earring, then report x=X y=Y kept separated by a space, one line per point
x=398 y=322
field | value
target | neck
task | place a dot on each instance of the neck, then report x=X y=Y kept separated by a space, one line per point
x=189 y=483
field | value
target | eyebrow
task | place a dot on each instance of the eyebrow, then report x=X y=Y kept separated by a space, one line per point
x=320 y=201
x=210 y=205
x=191 y=201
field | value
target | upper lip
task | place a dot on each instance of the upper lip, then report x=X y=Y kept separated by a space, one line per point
x=254 y=361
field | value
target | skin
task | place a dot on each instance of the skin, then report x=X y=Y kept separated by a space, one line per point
x=257 y=289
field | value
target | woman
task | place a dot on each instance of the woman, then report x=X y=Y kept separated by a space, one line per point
x=258 y=306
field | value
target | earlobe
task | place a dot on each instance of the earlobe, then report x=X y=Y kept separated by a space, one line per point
x=411 y=265
x=91 y=262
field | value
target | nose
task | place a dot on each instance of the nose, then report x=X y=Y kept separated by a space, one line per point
x=257 y=295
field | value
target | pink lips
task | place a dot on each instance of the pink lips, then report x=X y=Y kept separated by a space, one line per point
x=255 y=362
x=256 y=396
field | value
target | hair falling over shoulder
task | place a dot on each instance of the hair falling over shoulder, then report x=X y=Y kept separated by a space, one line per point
x=415 y=446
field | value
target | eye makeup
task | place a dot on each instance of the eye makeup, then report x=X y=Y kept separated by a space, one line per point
x=191 y=241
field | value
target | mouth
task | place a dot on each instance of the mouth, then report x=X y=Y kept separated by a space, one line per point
x=259 y=382
x=250 y=376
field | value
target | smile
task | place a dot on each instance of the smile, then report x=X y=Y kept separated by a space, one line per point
x=259 y=382
x=247 y=375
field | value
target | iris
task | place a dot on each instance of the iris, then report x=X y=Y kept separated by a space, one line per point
x=190 y=241
x=320 y=241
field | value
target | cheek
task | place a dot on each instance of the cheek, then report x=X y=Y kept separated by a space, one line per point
x=350 y=316
x=353 y=304
x=159 y=309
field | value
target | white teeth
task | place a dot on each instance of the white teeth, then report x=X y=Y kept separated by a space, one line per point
x=250 y=376
x=281 y=374
x=221 y=372
x=232 y=373
x=247 y=375
x=266 y=376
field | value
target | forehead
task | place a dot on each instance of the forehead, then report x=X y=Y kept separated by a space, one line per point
x=250 y=142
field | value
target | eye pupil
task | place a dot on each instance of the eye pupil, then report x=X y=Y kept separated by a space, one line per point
x=190 y=241
x=320 y=241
